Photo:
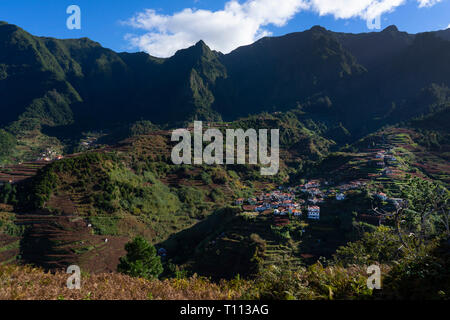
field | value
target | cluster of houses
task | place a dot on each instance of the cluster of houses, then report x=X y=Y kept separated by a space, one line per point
x=89 y=143
x=279 y=203
x=286 y=203
x=49 y=155
x=383 y=197
x=386 y=160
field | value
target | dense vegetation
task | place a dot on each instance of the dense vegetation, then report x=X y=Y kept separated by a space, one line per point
x=141 y=260
x=321 y=89
x=78 y=86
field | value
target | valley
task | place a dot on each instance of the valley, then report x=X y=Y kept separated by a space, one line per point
x=86 y=171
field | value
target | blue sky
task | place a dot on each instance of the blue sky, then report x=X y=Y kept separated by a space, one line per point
x=162 y=27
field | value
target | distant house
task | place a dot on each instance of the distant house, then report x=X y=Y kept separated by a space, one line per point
x=297 y=213
x=340 y=196
x=382 y=196
x=249 y=208
x=392 y=158
x=312 y=184
x=239 y=201
x=314 y=213
x=263 y=207
x=314 y=191
x=380 y=164
x=252 y=200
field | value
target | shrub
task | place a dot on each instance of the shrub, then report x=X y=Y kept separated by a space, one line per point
x=141 y=260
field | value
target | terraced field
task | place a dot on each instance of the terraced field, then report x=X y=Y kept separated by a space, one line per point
x=55 y=242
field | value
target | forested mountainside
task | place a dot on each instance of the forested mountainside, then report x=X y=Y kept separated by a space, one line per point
x=85 y=167
x=331 y=76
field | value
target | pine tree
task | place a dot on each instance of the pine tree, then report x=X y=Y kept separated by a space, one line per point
x=141 y=260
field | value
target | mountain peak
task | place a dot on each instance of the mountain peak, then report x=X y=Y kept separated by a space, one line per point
x=391 y=28
x=318 y=28
x=195 y=52
x=200 y=43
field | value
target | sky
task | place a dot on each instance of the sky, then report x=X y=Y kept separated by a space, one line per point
x=161 y=27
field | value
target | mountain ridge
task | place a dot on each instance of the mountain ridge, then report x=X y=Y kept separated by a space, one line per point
x=329 y=76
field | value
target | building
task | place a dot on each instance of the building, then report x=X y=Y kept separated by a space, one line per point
x=239 y=201
x=312 y=184
x=340 y=196
x=382 y=196
x=314 y=213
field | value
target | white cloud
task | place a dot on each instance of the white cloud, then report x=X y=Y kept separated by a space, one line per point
x=241 y=23
x=224 y=30
x=448 y=27
x=427 y=3
x=345 y=9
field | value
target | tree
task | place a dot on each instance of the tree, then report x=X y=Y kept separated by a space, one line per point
x=422 y=216
x=7 y=143
x=380 y=246
x=141 y=260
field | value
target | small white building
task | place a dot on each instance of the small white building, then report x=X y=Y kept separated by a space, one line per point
x=340 y=196
x=314 y=213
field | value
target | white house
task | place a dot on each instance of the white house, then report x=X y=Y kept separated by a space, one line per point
x=261 y=208
x=297 y=213
x=314 y=213
x=340 y=196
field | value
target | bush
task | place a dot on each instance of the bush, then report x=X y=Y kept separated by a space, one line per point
x=141 y=260
x=419 y=278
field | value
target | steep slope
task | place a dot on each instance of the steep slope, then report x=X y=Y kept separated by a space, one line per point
x=277 y=73
x=375 y=48
x=356 y=82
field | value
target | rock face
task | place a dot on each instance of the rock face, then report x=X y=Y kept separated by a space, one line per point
x=50 y=82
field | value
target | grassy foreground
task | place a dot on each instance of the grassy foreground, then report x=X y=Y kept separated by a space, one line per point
x=315 y=282
x=27 y=283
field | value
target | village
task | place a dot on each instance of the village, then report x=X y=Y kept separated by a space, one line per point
x=305 y=200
